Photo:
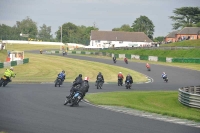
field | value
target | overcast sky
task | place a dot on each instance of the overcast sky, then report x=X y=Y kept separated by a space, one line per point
x=106 y=14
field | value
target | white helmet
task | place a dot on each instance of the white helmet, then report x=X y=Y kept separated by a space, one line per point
x=163 y=72
x=120 y=72
x=11 y=68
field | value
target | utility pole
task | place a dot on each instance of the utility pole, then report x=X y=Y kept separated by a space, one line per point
x=61 y=34
x=94 y=25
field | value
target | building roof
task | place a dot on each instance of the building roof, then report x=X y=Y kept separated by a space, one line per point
x=120 y=36
x=189 y=30
x=172 y=34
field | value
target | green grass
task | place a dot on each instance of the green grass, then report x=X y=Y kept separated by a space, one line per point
x=24 y=47
x=44 y=68
x=186 y=43
x=3 y=55
x=162 y=102
x=191 y=53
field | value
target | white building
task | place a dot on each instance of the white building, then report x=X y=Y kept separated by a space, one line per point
x=106 y=39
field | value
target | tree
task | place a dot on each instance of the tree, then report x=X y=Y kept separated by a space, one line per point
x=74 y=34
x=144 y=24
x=124 y=27
x=198 y=24
x=185 y=17
x=27 y=26
x=68 y=30
x=45 y=33
x=5 y=32
x=158 y=39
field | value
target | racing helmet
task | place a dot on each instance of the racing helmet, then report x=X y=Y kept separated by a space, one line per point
x=11 y=68
x=86 y=78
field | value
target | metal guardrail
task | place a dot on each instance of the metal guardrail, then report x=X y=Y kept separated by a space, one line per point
x=131 y=48
x=190 y=96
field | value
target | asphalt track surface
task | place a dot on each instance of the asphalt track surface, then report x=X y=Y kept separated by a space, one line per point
x=38 y=108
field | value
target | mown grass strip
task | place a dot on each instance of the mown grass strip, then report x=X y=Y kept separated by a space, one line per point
x=44 y=68
x=162 y=102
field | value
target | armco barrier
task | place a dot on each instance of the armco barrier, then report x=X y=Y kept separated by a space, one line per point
x=139 y=57
x=190 y=96
x=116 y=55
x=128 y=56
x=1 y=65
x=186 y=60
x=14 y=63
x=122 y=56
x=162 y=59
x=82 y=52
x=26 y=60
x=144 y=57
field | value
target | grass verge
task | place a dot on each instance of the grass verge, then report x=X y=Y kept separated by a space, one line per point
x=3 y=55
x=161 y=102
x=44 y=68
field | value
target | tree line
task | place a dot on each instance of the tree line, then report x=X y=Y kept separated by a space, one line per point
x=71 y=33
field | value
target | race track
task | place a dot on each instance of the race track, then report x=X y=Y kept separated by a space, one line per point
x=38 y=108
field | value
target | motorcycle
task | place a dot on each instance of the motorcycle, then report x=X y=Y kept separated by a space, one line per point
x=120 y=82
x=114 y=61
x=58 y=82
x=4 y=81
x=126 y=61
x=128 y=84
x=64 y=53
x=166 y=79
x=99 y=84
x=148 y=69
x=74 y=100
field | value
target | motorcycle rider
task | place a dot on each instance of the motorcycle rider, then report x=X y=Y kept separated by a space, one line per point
x=147 y=65
x=61 y=75
x=114 y=59
x=164 y=75
x=125 y=60
x=129 y=77
x=77 y=81
x=120 y=78
x=84 y=87
x=8 y=74
x=100 y=78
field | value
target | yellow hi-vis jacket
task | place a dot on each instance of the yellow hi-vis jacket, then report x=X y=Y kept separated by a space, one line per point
x=9 y=73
